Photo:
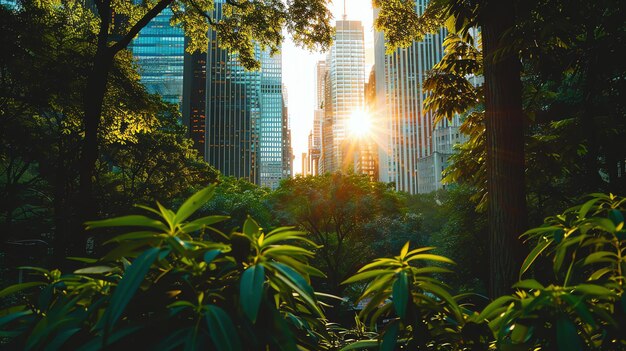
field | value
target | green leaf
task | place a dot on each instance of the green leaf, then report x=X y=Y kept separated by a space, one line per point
x=430 y=257
x=95 y=270
x=405 y=250
x=596 y=290
x=361 y=344
x=251 y=290
x=128 y=285
x=210 y=255
x=13 y=316
x=297 y=282
x=202 y=222
x=400 y=294
x=390 y=338
x=12 y=289
x=287 y=250
x=584 y=209
x=60 y=339
x=127 y=221
x=601 y=256
x=616 y=216
x=532 y=256
x=134 y=236
x=193 y=203
x=487 y=312
x=250 y=228
x=558 y=235
x=222 y=330
x=367 y=275
x=528 y=284
x=600 y=273
x=580 y=307
x=567 y=338
x=283 y=337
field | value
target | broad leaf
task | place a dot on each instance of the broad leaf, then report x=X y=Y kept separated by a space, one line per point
x=18 y=287
x=400 y=295
x=193 y=203
x=222 y=330
x=567 y=338
x=251 y=290
x=127 y=221
x=129 y=284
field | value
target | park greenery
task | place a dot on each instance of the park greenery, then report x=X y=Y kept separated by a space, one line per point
x=512 y=255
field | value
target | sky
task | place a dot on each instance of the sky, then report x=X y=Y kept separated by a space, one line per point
x=299 y=75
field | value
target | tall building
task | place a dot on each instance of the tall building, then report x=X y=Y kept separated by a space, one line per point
x=344 y=90
x=235 y=116
x=315 y=137
x=410 y=155
x=159 y=49
x=287 y=150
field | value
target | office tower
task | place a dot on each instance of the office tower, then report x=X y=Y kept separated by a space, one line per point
x=159 y=49
x=287 y=150
x=315 y=137
x=344 y=90
x=236 y=116
x=407 y=128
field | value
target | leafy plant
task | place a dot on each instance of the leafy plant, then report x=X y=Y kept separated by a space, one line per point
x=166 y=285
x=584 y=309
x=415 y=309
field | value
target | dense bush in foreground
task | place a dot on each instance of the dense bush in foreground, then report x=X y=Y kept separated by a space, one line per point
x=177 y=283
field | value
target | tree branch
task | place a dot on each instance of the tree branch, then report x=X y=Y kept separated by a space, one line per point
x=123 y=43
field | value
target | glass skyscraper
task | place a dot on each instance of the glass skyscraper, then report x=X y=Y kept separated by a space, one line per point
x=159 y=49
x=406 y=155
x=235 y=116
x=345 y=86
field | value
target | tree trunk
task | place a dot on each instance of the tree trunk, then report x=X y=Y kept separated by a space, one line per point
x=92 y=104
x=505 y=149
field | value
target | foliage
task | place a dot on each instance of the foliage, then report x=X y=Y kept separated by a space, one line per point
x=586 y=301
x=335 y=210
x=238 y=198
x=144 y=152
x=164 y=286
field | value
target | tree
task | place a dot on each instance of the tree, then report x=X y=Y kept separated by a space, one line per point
x=335 y=209
x=504 y=118
x=244 y=23
x=144 y=149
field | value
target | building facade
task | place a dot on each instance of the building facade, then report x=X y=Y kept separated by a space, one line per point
x=344 y=85
x=410 y=155
x=235 y=116
x=159 y=49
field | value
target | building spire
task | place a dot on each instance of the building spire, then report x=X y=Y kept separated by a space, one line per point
x=345 y=15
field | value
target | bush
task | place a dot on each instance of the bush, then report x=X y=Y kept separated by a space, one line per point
x=166 y=285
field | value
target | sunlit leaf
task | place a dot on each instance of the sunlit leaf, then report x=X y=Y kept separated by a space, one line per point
x=193 y=203
x=127 y=221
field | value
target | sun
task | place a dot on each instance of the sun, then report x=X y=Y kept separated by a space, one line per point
x=360 y=124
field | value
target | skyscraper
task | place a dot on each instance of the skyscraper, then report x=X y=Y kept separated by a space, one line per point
x=315 y=137
x=235 y=116
x=406 y=153
x=344 y=90
x=159 y=49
